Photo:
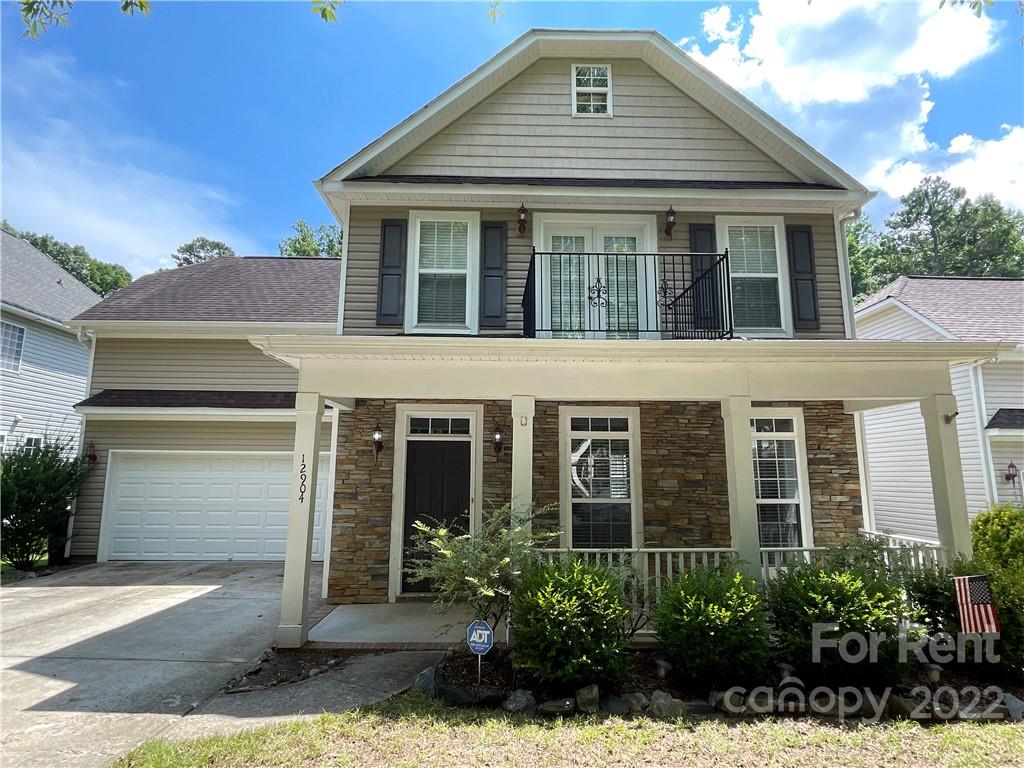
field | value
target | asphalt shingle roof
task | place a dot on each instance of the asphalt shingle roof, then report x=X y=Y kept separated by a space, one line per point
x=256 y=289
x=1007 y=418
x=187 y=398
x=32 y=281
x=970 y=308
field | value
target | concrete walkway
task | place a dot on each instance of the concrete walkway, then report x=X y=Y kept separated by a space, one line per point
x=96 y=660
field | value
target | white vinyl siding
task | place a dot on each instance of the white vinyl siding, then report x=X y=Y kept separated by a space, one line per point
x=1003 y=452
x=1004 y=386
x=527 y=128
x=46 y=386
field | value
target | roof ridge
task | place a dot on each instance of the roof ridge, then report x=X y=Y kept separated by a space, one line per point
x=961 y=277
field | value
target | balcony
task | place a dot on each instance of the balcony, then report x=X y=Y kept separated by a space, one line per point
x=624 y=295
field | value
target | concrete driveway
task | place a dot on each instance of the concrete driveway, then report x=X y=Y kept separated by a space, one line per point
x=98 y=659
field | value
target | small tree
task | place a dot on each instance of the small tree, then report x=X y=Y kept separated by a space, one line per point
x=37 y=486
x=324 y=242
x=200 y=249
x=478 y=569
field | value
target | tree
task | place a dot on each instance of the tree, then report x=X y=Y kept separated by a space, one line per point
x=101 y=276
x=200 y=249
x=308 y=243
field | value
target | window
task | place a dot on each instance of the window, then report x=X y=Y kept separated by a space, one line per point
x=33 y=441
x=424 y=425
x=757 y=263
x=780 y=485
x=3 y=443
x=445 y=251
x=13 y=343
x=591 y=90
x=600 y=487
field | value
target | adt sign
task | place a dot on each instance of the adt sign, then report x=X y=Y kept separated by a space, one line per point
x=479 y=637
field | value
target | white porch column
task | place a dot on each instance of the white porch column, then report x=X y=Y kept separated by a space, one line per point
x=939 y=412
x=292 y=630
x=740 y=473
x=523 y=409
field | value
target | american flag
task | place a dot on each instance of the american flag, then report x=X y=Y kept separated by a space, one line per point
x=977 y=609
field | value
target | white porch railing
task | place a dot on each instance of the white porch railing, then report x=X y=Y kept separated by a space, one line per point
x=904 y=552
x=911 y=551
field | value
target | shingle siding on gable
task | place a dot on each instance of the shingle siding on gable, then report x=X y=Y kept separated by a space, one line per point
x=526 y=128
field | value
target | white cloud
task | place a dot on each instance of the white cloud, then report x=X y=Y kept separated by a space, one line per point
x=71 y=169
x=716 y=25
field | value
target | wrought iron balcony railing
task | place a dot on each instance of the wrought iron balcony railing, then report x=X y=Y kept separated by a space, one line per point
x=628 y=295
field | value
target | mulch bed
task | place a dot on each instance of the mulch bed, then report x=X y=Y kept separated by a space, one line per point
x=289 y=666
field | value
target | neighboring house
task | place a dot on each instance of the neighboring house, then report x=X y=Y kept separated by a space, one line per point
x=989 y=395
x=43 y=365
x=591 y=253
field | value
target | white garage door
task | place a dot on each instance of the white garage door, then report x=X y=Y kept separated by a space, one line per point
x=203 y=506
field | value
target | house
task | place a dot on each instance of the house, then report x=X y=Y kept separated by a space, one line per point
x=43 y=365
x=989 y=396
x=590 y=276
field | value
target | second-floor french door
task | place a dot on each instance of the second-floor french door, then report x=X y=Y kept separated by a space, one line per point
x=598 y=286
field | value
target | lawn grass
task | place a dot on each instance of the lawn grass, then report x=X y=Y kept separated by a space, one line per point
x=412 y=730
x=6 y=568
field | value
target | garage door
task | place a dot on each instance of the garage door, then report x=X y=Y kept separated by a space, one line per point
x=203 y=506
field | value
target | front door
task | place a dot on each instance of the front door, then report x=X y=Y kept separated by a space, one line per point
x=437 y=478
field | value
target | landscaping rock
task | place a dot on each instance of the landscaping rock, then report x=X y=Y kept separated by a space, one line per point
x=426 y=682
x=588 y=699
x=557 y=707
x=520 y=700
x=905 y=708
x=665 y=707
x=873 y=709
x=727 y=702
x=1014 y=706
x=638 y=702
x=983 y=713
x=618 y=705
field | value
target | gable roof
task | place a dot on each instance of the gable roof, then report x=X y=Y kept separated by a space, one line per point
x=725 y=102
x=252 y=289
x=34 y=283
x=969 y=308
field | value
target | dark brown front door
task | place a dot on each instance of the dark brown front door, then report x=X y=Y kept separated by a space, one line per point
x=436 y=491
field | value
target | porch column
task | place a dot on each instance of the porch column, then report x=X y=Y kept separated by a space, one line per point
x=292 y=631
x=739 y=464
x=523 y=409
x=939 y=413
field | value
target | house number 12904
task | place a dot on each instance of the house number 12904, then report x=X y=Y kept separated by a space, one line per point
x=302 y=479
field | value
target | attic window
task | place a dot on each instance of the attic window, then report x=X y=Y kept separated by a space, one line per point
x=591 y=90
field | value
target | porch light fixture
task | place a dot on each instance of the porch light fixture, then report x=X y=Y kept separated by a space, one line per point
x=498 y=441
x=521 y=218
x=378 y=440
x=1012 y=473
x=670 y=221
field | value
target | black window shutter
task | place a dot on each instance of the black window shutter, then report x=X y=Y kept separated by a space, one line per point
x=706 y=292
x=493 y=281
x=391 y=280
x=802 y=278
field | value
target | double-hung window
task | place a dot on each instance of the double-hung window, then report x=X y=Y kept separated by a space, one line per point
x=444 y=254
x=780 y=478
x=591 y=90
x=12 y=344
x=601 y=477
x=759 y=273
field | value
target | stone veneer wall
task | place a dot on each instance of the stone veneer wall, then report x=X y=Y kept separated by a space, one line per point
x=361 y=524
x=832 y=468
x=682 y=463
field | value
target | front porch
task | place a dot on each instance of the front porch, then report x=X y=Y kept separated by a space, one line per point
x=677 y=476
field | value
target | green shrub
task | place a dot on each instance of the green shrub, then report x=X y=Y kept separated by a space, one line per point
x=803 y=596
x=1008 y=592
x=933 y=598
x=998 y=536
x=569 y=621
x=37 y=486
x=712 y=624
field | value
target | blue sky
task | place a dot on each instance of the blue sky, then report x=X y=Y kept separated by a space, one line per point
x=133 y=135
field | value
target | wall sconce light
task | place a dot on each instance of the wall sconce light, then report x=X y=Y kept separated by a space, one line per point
x=670 y=221
x=378 y=440
x=90 y=452
x=521 y=214
x=498 y=441
x=1012 y=473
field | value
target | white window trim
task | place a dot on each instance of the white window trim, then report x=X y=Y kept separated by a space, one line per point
x=722 y=224
x=565 y=413
x=403 y=413
x=472 y=324
x=575 y=90
x=33 y=437
x=803 y=477
x=21 y=354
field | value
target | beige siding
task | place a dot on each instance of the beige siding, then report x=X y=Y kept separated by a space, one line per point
x=102 y=436
x=364 y=257
x=526 y=128
x=1003 y=452
x=232 y=364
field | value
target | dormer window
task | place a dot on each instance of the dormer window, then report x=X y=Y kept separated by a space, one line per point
x=591 y=90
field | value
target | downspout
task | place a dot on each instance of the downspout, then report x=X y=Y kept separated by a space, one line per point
x=978 y=397
x=845 y=279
